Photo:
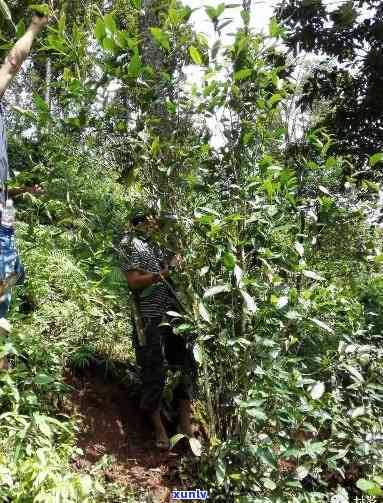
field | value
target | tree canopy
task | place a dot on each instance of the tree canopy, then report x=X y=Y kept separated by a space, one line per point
x=281 y=283
x=349 y=38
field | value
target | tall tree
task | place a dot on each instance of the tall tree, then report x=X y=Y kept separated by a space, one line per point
x=351 y=39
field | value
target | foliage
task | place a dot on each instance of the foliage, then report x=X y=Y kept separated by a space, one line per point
x=281 y=279
x=349 y=35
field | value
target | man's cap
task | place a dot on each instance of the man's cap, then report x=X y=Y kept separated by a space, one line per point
x=140 y=216
x=138 y=219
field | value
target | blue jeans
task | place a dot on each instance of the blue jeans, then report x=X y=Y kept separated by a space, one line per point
x=9 y=263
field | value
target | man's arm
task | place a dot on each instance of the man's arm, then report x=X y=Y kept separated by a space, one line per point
x=20 y=52
x=31 y=189
x=138 y=280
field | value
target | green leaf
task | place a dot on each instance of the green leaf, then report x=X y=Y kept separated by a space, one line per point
x=6 y=12
x=266 y=456
x=293 y=483
x=229 y=260
x=42 y=107
x=275 y=98
x=323 y=325
x=247 y=138
x=175 y=439
x=274 y=28
x=42 y=9
x=250 y=302
x=20 y=29
x=369 y=487
x=203 y=312
x=134 y=67
x=211 y=12
x=43 y=379
x=357 y=412
x=313 y=275
x=195 y=55
x=224 y=24
x=184 y=327
x=324 y=190
x=269 y=484
x=67 y=74
x=202 y=40
x=42 y=424
x=161 y=37
x=299 y=248
x=198 y=353
x=257 y=414
x=110 y=23
x=374 y=159
x=109 y=44
x=220 y=9
x=99 y=30
x=215 y=290
x=243 y=74
x=195 y=446
x=174 y=314
x=136 y=3
x=220 y=472
x=215 y=49
x=317 y=390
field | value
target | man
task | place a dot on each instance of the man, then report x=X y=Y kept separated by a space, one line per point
x=146 y=267
x=9 y=262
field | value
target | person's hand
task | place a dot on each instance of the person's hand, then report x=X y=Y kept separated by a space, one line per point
x=35 y=189
x=176 y=261
x=38 y=22
x=164 y=272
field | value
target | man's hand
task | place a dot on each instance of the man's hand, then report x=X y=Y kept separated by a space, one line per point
x=36 y=190
x=164 y=273
x=176 y=261
x=38 y=22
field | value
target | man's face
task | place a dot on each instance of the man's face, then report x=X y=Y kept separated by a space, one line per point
x=149 y=227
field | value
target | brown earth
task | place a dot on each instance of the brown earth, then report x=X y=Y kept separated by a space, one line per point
x=113 y=425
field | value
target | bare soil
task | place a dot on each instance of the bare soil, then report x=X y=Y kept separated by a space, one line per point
x=113 y=425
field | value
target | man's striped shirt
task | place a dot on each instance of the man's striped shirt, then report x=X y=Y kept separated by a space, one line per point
x=142 y=254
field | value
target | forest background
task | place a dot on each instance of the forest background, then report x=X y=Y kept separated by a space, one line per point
x=278 y=224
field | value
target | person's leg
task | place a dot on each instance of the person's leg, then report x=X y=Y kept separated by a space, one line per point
x=5 y=326
x=151 y=359
x=8 y=259
x=181 y=358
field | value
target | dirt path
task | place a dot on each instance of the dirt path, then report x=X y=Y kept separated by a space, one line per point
x=113 y=426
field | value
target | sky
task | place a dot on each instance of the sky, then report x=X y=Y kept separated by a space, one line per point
x=261 y=12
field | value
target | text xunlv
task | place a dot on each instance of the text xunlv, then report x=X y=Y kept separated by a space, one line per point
x=190 y=495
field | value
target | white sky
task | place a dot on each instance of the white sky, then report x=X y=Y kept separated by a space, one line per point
x=261 y=12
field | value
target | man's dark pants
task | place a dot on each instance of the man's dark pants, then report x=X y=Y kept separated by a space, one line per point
x=163 y=350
